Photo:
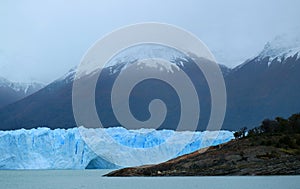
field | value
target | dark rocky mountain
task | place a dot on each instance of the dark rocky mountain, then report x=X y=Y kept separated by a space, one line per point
x=52 y=106
x=265 y=86
x=262 y=87
x=257 y=90
x=13 y=91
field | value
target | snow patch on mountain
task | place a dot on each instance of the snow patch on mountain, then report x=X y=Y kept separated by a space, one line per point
x=157 y=64
x=131 y=55
x=21 y=87
x=69 y=76
x=146 y=51
x=281 y=47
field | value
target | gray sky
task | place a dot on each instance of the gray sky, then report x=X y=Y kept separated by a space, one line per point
x=41 y=40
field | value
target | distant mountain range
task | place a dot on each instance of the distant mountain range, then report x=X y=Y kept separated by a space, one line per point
x=262 y=87
x=13 y=91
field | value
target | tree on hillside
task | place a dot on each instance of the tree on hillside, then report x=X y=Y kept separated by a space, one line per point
x=241 y=133
x=279 y=125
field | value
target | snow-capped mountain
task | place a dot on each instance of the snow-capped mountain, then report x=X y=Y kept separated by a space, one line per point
x=43 y=148
x=267 y=85
x=12 y=91
x=281 y=48
x=57 y=96
x=68 y=77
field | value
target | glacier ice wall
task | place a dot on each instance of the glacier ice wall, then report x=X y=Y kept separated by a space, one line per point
x=43 y=148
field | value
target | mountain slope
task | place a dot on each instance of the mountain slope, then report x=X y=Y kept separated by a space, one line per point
x=263 y=87
x=13 y=91
x=57 y=98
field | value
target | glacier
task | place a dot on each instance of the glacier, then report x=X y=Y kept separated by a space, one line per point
x=43 y=148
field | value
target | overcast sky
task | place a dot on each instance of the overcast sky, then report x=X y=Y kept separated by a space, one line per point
x=41 y=40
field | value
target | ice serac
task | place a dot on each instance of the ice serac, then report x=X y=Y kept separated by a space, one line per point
x=43 y=148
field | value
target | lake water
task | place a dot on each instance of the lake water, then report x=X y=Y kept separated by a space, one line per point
x=80 y=179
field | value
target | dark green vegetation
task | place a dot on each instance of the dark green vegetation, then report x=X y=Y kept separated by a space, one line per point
x=279 y=133
x=270 y=149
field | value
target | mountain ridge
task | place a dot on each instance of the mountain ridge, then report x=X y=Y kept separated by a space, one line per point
x=256 y=89
x=13 y=91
